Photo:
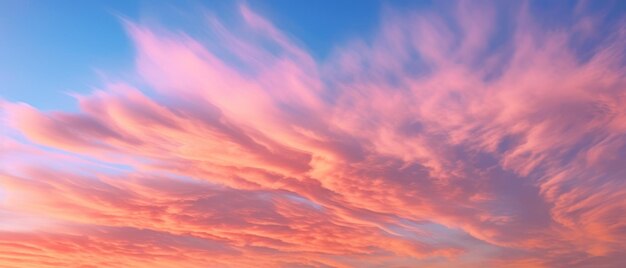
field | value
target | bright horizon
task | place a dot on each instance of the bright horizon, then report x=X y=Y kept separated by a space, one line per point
x=312 y=134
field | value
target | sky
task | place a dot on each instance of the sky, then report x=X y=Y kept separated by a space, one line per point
x=312 y=133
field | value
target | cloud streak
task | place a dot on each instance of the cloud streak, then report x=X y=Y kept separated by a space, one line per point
x=455 y=137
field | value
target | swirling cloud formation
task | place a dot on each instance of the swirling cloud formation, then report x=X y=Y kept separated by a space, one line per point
x=465 y=136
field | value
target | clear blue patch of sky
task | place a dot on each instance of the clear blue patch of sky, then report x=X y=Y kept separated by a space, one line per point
x=48 y=48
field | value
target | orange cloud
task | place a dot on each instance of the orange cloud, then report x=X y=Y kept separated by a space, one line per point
x=436 y=143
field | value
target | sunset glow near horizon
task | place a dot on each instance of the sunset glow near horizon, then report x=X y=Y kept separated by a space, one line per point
x=312 y=134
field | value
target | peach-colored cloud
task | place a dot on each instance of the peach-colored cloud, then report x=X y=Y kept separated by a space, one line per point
x=473 y=138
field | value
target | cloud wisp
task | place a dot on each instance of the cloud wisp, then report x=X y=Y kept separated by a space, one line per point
x=457 y=137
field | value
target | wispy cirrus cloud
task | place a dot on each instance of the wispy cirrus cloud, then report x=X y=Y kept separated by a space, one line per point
x=462 y=136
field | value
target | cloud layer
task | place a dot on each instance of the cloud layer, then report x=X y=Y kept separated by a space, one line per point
x=461 y=136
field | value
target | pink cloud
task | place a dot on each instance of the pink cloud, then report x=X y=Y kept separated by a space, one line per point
x=422 y=146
